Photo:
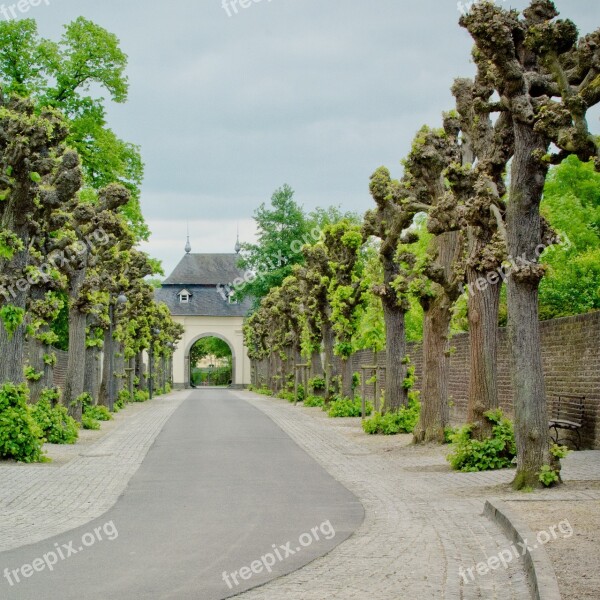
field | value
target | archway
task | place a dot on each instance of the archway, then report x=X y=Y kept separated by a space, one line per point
x=210 y=361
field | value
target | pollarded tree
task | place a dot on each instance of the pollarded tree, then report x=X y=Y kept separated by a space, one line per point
x=311 y=330
x=60 y=74
x=394 y=214
x=289 y=308
x=474 y=203
x=343 y=242
x=88 y=220
x=36 y=175
x=316 y=275
x=432 y=153
x=547 y=79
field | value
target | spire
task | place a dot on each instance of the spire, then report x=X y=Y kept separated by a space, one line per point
x=238 y=246
x=188 y=246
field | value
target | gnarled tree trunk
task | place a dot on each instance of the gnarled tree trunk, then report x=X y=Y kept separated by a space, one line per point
x=524 y=235
x=76 y=363
x=91 y=384
x=483 y=306
x=395 y=371
x=435 y=413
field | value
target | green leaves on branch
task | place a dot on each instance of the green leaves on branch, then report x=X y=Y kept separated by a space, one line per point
x=12 y=318
x=10 y=244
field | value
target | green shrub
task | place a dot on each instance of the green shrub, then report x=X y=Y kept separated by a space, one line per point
x=549 y=476
x=449 y=433
x=168 y=388
x=122 y=400
x=141 y=396
x=317 y=383
x=89 y=423
x=285 y=395
x=392 y=423
x=20 y=436
x=53 y=419
x=314 y=401
x=86 y=401
x=345 y=407
x=265 y=391
x=496 y=452
x=98 y=413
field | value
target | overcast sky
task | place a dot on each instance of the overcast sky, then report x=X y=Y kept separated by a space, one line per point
x=313 y=93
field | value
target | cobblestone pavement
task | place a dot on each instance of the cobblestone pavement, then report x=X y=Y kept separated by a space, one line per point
x=40 y=501
x=422 y=522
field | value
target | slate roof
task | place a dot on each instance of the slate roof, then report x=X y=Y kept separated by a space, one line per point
x=204 y=302
x=200 y=274
x=205 y=269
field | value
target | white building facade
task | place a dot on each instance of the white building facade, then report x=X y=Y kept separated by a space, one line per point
x=197 y=296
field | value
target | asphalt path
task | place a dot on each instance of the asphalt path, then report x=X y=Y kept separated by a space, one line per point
x=223 y=496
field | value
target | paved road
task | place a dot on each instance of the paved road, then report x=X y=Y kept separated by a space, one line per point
x=221 y=488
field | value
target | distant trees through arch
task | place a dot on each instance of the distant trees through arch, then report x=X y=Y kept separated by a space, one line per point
x=211 y=362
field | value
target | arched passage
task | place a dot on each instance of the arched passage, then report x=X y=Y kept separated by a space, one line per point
x=188 y=355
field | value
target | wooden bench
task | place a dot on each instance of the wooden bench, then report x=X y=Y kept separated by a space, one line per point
x=567 y=413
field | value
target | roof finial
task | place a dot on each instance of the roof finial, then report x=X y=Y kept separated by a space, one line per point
x=238 y=246
x=188 y=246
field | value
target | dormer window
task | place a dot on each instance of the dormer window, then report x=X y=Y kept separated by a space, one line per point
x=184 y=297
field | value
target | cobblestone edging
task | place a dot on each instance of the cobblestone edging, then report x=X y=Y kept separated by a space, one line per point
x=420 y=526
x=40 y=501
x=538 y=565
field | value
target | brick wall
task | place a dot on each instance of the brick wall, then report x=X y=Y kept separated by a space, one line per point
x=60 y=369
x=571 y=358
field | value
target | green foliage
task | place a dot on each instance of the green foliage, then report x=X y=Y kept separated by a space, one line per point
x=409 y=381
x=286 y=395
x=60 y=326
x=53 y=419
x=449 y=433
x=559 y=451
x=571 y=204
x=548 y=476
x=50 y=359
x=392 y=423
x=9 y=242
x=209 y=347
x=20 y=436
x=141 y=396
x=60 y=75
x=265 y=391
x=31 y=374
x=496 y=452
x=88 y=423
x=316 y=383
x=314 y=401
x=122 y=399
x=345 y=407
x=85 y=400
x=11 y=317
x=282 y=229
x=98 y=413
